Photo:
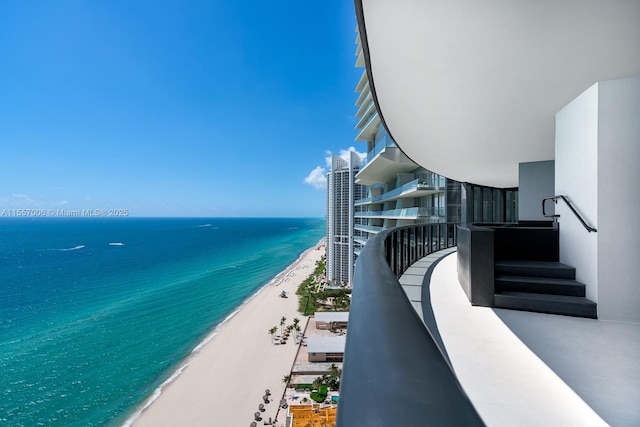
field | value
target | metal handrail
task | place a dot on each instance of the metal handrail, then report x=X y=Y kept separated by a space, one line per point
x=575 y=212
x=394 y=373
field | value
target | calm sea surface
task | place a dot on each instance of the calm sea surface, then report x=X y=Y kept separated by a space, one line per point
x=95 y=314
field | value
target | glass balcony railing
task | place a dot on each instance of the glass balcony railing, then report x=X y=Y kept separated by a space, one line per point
x=406 y=213
x=369 y=228
x=364 y=119
x=434 y=183
x=367 y=121
x=360 y=240
x=366 y=201
x=382 y=141
x=392 y=213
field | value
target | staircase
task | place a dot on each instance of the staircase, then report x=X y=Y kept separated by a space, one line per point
x=541 y=286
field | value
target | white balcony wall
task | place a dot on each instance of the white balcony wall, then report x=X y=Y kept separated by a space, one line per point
x=597 y=167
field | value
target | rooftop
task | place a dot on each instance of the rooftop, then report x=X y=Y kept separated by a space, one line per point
x=324 y=344
x=331 y=316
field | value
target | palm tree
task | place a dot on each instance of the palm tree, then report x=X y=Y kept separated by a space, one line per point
x=334 y=369
x=286 y=379
x=284 y=319
x=319 y=382
x=297 y=328
x=272 y=331
x=334 y=377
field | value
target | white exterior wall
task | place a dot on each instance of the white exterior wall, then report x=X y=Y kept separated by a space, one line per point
x=619 y=200
x=536 y=181
x=597 y=168
x=577 y=179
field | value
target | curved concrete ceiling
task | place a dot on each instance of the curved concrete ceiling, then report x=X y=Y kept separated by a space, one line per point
x=469 y=89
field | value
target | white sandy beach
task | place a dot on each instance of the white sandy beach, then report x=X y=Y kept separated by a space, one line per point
x=226 y=378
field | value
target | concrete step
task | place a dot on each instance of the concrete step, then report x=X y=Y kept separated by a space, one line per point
x=544 y=303
x=540 y=285
x=545 y=269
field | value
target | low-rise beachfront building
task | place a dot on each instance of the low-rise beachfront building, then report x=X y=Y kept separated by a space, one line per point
x=535 y=107
x=331 y=319
x=326 y=348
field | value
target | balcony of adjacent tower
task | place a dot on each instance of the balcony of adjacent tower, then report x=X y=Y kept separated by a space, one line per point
x=383 y=163
x=368 y=126
x=372 y=229
x=415 y=213
x=414 y=189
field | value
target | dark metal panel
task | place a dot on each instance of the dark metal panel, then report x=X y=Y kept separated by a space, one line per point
x=476 y=264
x=394 y=373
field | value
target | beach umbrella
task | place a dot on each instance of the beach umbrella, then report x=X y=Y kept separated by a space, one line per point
x=253 y=424
x=261 y=407
x=257 y=415
x=267 y=392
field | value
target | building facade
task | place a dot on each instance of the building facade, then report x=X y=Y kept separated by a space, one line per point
x=399 y=191
x=342 y=245
x=496 y=107
x=523 y=102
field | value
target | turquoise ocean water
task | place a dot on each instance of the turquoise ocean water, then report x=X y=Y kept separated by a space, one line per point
x=95 y=314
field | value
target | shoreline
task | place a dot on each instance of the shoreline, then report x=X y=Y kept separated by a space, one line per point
x=158 y=406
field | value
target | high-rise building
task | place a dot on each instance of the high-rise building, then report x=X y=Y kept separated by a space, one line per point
x=526 y=103
x=342 y=248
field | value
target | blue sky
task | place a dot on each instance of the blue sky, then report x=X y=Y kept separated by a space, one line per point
x=167 y=108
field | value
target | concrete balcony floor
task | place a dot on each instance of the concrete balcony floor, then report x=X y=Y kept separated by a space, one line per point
x=529 y=369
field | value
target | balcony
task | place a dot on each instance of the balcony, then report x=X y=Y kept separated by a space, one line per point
x=369 y=129
x=367 y=113
x=369 y=228
x=382 y=141
x=360 y=240
x=406 y=213
x=362 y=82
x=365 y=92
x=365 y=109
x=394 y=372
x=428 y=357
x=415 y=188
x=383 y=164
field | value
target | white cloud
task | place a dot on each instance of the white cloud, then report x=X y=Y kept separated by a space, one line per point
x=345 y=153
x=317 y=178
